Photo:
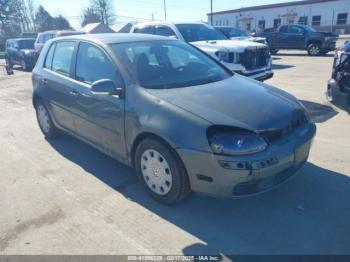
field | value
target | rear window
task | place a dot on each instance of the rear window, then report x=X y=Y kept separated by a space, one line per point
x=199 y=32
x=26 y=44
x=144 y=30
x=62 y=57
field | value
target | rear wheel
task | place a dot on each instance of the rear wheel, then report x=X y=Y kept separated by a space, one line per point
x=161 y=171
x=46 y=125
x=25 y=66
x=314 y=49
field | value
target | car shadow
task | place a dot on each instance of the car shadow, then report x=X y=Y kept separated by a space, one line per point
x=281 y=66
x=308 y=215
x=319 y=112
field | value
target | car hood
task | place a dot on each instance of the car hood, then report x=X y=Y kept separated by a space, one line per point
x=227 y=45
x=248 y=38
x=237 y=101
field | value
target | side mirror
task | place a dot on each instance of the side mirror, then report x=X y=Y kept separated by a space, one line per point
x=173 y=37
x=105 y=87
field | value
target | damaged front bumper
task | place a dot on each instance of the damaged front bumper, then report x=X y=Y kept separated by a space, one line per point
x=239 y=176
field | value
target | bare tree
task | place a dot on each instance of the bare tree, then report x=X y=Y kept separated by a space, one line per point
x=105 y=9
x=89 y=15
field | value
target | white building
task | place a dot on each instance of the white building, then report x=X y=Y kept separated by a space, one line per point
x=323 y=15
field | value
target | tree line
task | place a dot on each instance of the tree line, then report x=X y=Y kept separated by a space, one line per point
x=19 y=16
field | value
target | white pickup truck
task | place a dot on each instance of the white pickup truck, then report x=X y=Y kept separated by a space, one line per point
x=244 y=57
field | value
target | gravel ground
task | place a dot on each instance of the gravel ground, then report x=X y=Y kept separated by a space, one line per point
x=63 y=197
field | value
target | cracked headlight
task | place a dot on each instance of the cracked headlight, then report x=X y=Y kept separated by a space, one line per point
x=232 y=143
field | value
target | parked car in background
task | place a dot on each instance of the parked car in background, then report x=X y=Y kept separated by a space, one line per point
x=47 y=35
x=132 y=95
x=235 y=33
x=20 y=51
x=302 y=37
x=244 y=57
x=338 y=88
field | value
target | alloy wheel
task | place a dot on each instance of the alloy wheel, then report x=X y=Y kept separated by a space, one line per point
x=314 y=50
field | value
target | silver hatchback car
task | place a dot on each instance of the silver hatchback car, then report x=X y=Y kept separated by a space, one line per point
x=180 y=118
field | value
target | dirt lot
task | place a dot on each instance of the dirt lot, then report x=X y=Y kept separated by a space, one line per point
x=63 y=197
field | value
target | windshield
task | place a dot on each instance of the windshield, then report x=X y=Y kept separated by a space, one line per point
x=199 y=32
x=168 y=64
x=310 y=29
x=231 y=31
x=26 y=44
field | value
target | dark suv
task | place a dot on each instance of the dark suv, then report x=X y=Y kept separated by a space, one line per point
x=47 y=35
x=338 y=88
x=20 y=51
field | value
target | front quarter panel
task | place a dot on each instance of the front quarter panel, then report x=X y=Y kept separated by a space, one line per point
x=147 y=114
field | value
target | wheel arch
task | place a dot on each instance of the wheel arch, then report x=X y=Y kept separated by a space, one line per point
x=147 y=134
x=314 y=41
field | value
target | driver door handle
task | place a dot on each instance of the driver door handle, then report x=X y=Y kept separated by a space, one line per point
x=74 y=93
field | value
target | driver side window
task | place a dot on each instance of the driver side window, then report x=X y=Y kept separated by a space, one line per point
x=92 y=64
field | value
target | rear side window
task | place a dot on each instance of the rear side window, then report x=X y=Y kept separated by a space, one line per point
x=62 y=58
x=295 y=29
x=93 y=64
x=284 y=29
x=48 y=60
x=144 y=30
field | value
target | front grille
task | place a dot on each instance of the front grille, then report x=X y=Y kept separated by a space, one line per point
x=255 y=58
x=298 y=119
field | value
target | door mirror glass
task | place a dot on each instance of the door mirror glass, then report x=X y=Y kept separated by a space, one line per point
x=104 y=87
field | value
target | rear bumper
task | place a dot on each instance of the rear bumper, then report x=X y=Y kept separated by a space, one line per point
x=241 y=176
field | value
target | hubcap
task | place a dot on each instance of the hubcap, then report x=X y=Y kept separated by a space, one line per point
x=156 y=172
x=23 y=64
x=43 y=117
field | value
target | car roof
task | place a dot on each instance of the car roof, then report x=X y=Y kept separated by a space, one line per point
x=167 y=23
x=20 y=39
x=113 y=38
x=57 y=31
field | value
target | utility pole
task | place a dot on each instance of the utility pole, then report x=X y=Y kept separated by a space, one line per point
x=211 y=12
x=165 y=9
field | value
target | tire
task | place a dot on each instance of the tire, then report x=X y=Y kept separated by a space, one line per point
x=25 y=66
x=8 y=62
x=161 y=171
x=329 y=94
x=274 y=51
x=314 y=49
x=46 y=125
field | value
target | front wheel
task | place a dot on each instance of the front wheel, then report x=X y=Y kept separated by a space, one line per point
x=314 y=49
x=329 y=94
x=46 y=125
x=161 y=171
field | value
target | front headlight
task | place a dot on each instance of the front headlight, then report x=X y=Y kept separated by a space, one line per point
x=232 y=143
x=223 y=56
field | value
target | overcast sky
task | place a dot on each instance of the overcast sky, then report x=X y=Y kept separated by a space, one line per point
x=177 y=10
